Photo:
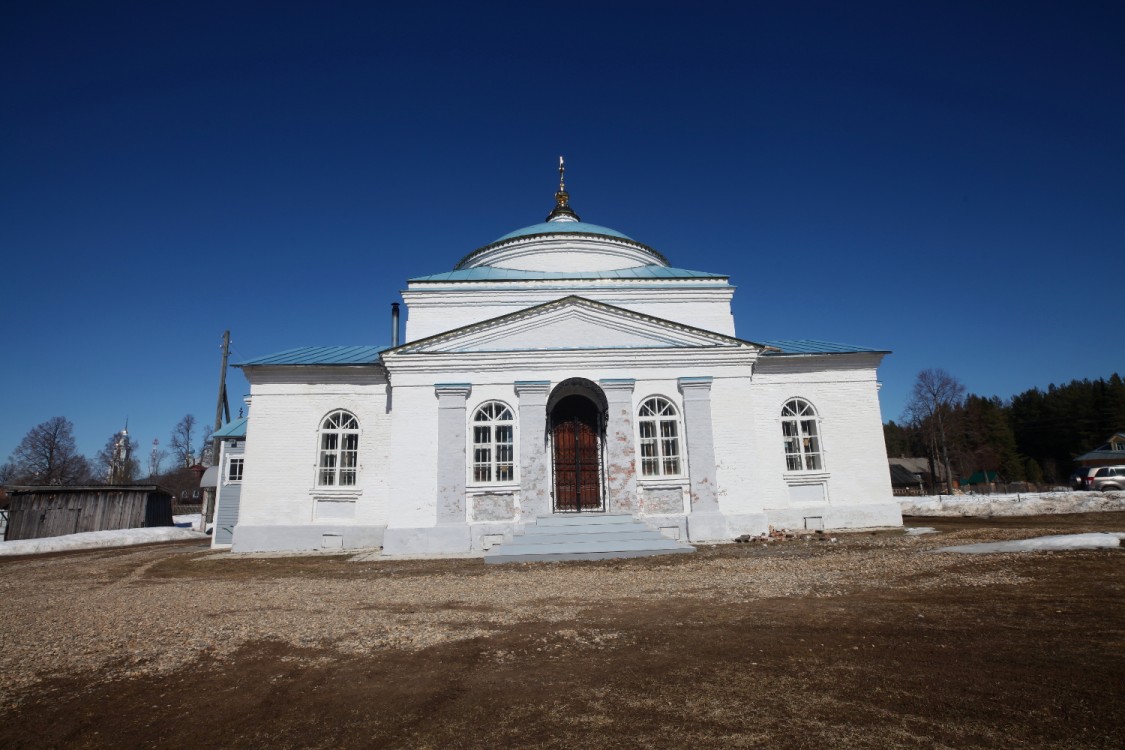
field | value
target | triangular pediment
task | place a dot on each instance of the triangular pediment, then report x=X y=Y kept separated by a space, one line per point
x=572 y=323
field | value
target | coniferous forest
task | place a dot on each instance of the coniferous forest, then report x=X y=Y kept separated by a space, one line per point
x=1033 y=437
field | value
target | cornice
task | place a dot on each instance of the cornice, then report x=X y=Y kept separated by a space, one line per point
x=548 y=361
x=785 y=363
x=465 y=295
x=366 y=374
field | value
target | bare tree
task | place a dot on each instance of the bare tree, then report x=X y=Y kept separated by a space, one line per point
x=932 y=403
x=48 y=455
x=182 y=442
x=117 y=461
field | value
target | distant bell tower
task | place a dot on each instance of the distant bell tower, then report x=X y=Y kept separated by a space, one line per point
x=120 y=460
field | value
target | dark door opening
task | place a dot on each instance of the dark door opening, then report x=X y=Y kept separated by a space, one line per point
x=576 y=435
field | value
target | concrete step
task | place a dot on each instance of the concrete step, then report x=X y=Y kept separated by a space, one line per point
x=584 y=519
x=601 y=545
x=605 y=528
x=585 y=537
x=557 y=556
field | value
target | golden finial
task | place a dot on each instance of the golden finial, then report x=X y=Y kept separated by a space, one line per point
x=562 y=210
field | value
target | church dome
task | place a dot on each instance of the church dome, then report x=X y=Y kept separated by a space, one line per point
x=563 y=242
x=550 y=227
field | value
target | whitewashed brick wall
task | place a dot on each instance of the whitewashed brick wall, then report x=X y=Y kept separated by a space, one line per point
x=413 y=472
x=399 y=451
x=279 y=486
x=846 y=400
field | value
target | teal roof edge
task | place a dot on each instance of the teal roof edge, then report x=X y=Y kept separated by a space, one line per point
x=320 y=355
x=813 y=346
x=233 y=429
x=552 y=227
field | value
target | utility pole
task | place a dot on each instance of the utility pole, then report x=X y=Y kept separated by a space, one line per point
x=222 y=407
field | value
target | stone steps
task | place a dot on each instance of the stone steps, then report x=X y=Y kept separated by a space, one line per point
x=585 y=537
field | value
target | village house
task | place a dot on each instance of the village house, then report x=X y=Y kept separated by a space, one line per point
x=1109 y=454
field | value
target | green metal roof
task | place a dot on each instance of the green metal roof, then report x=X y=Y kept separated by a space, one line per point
x=563 y=227
x=320 y=355
x=548 y=228
x=981 y=477
x=233 y=429
x=812 y=346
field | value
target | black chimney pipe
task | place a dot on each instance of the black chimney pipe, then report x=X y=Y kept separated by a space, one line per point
x=394 y=324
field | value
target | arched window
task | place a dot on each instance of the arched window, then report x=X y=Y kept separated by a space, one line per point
x=660 y=438
x=493 y=448
x=801 y=429
x=339 y=450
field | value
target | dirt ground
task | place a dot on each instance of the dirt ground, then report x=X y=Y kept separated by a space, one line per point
x=873 y=641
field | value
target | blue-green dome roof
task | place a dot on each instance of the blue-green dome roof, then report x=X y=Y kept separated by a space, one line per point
x=563 y=227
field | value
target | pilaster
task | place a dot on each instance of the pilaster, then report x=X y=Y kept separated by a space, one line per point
x=451 y=465
x=621 y=453
x=535 y=490
x=700 y=443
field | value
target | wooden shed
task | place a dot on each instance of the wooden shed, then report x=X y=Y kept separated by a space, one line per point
x=36 y=512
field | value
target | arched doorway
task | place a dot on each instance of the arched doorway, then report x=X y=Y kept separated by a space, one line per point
x=577 y=431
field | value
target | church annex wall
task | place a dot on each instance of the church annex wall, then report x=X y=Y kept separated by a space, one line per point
x=413 y=473
x=282 y=505
x=852 y=489
x=740 y=459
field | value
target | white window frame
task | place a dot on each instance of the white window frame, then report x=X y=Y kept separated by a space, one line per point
x=241 y=468
x=660 y=453
x=802 y=438
x=492 y=444
x=337 y=450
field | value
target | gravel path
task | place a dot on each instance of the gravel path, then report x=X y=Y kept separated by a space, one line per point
x=129 y=612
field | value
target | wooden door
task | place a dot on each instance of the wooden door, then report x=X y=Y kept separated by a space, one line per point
x=577 y=455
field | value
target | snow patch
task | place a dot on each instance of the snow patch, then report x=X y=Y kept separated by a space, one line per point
x=919 y=530
x=1018 y=504
x=97 y=539
x=1057 y=542
x=190 y=521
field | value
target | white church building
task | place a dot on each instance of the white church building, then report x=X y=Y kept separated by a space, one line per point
x=564 y=369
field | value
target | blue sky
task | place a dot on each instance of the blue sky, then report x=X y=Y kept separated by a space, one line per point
x=943 y=180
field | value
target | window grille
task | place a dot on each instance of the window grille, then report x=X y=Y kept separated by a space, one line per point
x=338 y=463
x=493 y=443
x=659 y=425
x=800 y=430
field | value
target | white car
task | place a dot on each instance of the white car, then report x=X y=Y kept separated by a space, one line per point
x=1102 y=478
